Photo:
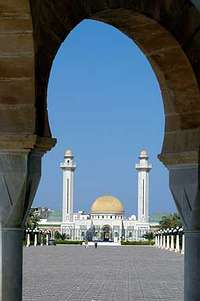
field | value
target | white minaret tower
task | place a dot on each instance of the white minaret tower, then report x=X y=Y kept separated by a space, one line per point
x=143 y=169
x=68 y=167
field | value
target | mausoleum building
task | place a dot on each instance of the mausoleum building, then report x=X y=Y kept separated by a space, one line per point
x=107 y=214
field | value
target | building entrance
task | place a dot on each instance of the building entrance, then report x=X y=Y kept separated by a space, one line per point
x=106 y=234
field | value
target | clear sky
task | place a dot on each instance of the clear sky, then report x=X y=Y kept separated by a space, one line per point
x=104 y=102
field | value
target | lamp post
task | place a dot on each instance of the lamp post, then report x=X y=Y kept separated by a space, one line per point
x=172 y=239
x=41 y=238
x=28 y=239
x=47 y=237
x=35 y=231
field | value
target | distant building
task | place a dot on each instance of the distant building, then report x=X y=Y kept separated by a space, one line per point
x=106 y=217
x=41 y=212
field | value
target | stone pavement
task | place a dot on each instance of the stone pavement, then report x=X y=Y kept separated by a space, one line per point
x=129 y=273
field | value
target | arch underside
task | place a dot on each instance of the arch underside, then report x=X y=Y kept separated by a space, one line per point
x=168 y=32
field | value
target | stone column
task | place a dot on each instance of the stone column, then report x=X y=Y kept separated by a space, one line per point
x=28 y=239
x=177 y=249
x=160 y=243
x=172 y=241
x=158 y=240
x=168 y=236
x=19 y=178
x=185 y=187
x=164 y=241
x=161 y=240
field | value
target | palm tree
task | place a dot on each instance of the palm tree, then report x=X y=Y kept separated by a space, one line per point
x=32 y=220
x=171 y=221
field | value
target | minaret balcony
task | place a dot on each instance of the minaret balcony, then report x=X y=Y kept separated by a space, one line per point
x=68 y=166
x=146 y=167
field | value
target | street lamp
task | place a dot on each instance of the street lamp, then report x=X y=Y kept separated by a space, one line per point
x=28 y=239
x=35 y=231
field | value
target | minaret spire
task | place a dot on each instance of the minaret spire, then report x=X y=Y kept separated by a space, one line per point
x=68 y=167
x=143 y=169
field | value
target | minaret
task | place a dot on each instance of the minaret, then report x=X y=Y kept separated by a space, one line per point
x=143 y=169
x=68 y=167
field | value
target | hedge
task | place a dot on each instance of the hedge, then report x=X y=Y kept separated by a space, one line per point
x=138 y=243
x=69 y=242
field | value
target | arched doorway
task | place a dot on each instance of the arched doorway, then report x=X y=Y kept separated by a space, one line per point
x=106 y=233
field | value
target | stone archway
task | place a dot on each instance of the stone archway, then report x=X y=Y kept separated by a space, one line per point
x=31 y=32
x=106 y=233
x=153 y=26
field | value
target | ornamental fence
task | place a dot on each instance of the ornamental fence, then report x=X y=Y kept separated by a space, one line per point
x=171 y=239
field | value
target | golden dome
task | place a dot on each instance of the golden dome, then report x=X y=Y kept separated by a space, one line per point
x=107 y=204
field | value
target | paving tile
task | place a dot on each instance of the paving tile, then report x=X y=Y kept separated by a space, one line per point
x=128 y=273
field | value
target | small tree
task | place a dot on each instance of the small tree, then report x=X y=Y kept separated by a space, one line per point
x=60 y=236
x=90 y=233
x=63 y=236
x=149 y=236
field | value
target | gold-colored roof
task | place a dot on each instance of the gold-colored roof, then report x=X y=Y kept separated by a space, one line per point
x=107 y=204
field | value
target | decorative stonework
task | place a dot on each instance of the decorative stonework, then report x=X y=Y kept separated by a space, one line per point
x=26 y=142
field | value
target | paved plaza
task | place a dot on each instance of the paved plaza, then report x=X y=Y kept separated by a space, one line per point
x=129 y=273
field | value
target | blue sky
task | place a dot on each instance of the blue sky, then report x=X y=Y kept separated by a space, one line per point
x=104 y=102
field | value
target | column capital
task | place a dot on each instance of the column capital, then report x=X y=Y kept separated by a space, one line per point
x=20 y=173
x=181 y=147
x=184 y=182
x=171 y=160
x=26 y=143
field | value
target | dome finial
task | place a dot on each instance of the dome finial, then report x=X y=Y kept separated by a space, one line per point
x=143 y=154
x=68 y=153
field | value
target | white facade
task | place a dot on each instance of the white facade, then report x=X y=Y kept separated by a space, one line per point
x=143 y=169
x=68 y=167
x=106 y=228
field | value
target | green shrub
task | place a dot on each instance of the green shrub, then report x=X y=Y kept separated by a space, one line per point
x=68 y=242
x=138 y=243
